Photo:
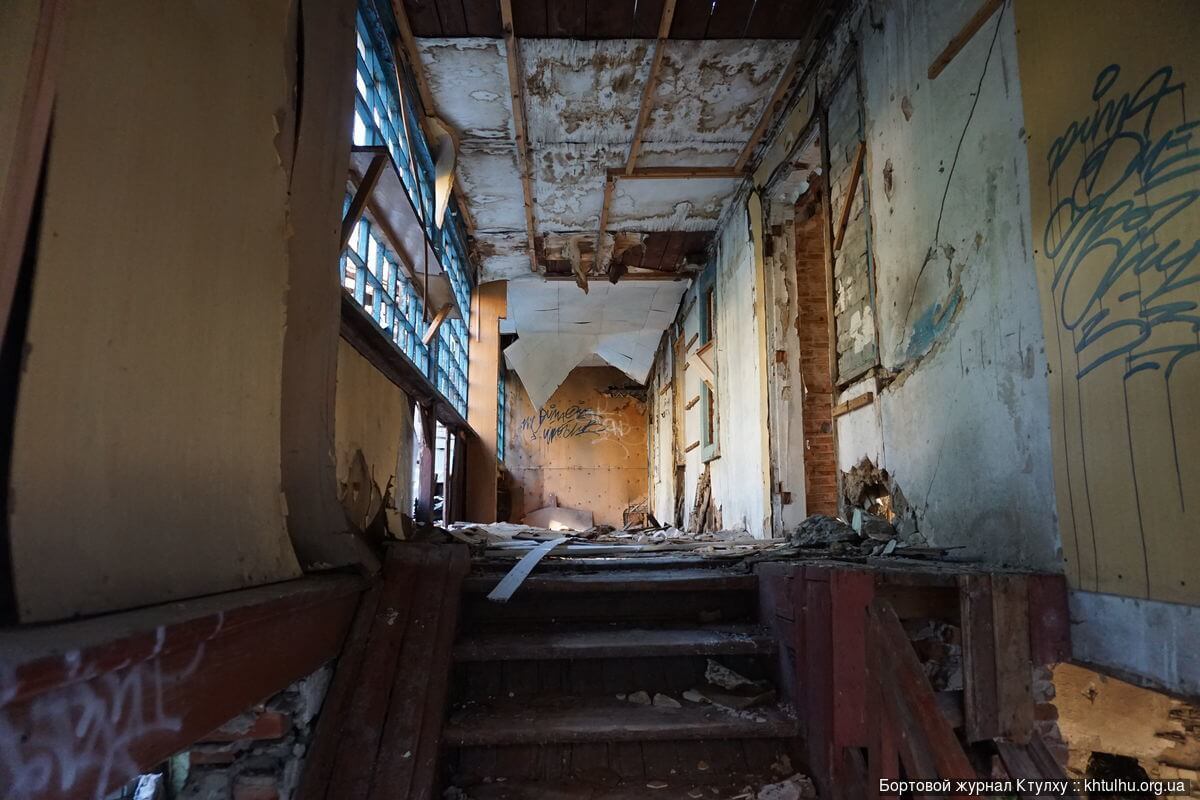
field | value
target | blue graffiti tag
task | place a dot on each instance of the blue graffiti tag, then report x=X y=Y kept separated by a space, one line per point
x=1107 y=213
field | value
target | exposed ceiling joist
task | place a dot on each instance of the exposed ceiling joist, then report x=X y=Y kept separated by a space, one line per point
x=774 y=105
x=635 y=146
x=822 y=13
x=512 y=49
x=647 y=104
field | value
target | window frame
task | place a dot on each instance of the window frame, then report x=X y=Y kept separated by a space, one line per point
x=384 y=115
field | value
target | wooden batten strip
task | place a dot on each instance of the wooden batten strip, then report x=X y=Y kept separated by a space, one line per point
x=635 y=146
x=691 y=403
x=436 y=323
x=773 y=106
x=848 y=199
x=853 y=404
x=691 y=447
x=361 y=195
x=647 y=104
x=960 y=39
x=513 y=52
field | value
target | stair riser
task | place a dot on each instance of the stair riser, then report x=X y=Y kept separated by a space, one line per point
x=627 y=762
x=535 y=610
x=670 y=675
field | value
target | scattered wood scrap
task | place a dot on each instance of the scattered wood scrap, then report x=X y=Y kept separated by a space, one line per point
x=512 y=581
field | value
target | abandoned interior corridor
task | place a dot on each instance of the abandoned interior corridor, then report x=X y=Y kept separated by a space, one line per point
x=501 y=399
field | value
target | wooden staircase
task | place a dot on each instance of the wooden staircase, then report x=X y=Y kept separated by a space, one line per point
x=539 y=696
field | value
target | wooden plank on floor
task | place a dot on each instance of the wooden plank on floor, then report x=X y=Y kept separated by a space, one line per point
x=980 y=708
x=1014 y=668
x=816 y=680
x=921 y=727
x=358 y=748
x=318 y=766
x=675 y=580
x=411 y=737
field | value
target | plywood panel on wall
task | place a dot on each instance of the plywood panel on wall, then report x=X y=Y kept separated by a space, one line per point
x=587 y=449
x=1111 y=115
x=375 y=416
x=146 y=462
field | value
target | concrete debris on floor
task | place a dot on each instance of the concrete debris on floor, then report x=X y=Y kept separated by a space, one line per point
x=725 y=689
x=817 y=536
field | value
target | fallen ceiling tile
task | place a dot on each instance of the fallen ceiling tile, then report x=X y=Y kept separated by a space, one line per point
x=544 y=360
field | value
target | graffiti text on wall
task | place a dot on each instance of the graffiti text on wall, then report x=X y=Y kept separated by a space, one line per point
x=1127 y=179
x=552 y=423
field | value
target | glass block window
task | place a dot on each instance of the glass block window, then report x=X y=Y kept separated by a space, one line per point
x=384 y=114
x=372 y=275
x=501 y=409
x=452 y=363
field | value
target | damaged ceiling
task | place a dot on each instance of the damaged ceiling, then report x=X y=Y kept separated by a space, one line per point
x=649 y=135
x=582 y=100
x=560 y=328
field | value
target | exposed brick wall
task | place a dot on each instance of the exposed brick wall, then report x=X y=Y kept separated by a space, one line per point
x=259 y=754
x=820 y=459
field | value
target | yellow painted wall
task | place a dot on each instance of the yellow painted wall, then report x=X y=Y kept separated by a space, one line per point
x=1110 y=111
x=587 y=449
x=146 y=463
x=374 y=415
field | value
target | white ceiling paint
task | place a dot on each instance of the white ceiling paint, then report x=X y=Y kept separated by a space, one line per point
x=584 y=91
x=582 y=102
x=561 y=328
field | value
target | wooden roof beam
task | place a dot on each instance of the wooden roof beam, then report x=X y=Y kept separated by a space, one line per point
x=513 y=51
x=774 y=105
x=823 y=13
x=644 y=108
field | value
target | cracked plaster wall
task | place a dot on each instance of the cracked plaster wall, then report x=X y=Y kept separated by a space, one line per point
x=964 y=428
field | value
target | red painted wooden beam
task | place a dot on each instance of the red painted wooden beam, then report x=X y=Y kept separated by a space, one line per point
x=86 y=706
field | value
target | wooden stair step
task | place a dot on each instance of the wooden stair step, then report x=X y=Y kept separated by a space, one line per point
x=673 y=580
x=615 y=643
x=601 y=719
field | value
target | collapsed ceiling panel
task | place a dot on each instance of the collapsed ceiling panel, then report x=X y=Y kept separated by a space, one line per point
x=621 y=323
x=543 y=361
x=469 y=79
x=584 y=91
